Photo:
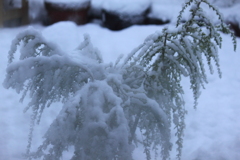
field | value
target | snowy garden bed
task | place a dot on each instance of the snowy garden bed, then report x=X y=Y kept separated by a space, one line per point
x=119 y=14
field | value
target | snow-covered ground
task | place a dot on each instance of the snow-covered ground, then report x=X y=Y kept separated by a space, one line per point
x=212 y=131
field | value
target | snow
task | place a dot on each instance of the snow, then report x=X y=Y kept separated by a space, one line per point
x=133 y=7
x=70 y=4
x=162 y=12
x=67 y=1
x=169 y=10
x=212 y=130
x=97 y=3
x=223 y=4
x=231 y=14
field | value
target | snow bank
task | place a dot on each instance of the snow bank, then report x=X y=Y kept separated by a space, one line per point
x=67 y=1
x=169 y=10
x=64 y=35
x=69 y=4
x=97 y=3
x=222 y=3
x=231 y=14
x=132 y=7
x=162 y=12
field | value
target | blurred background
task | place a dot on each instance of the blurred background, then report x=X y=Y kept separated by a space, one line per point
x=112 y=14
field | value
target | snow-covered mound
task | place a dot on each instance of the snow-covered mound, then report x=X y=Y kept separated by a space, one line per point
x=120 y=14
x=224 y=4
x=132 y=7
x=67 y=1
x=69 y=4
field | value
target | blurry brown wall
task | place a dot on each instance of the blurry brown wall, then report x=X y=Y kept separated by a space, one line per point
x=13 y=17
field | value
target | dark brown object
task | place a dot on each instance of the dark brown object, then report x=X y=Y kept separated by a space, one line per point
x=235 y=27
x=118 y=21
